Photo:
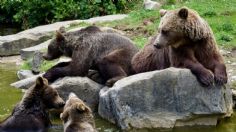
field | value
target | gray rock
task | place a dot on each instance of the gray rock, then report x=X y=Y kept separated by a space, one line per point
x=83 y=87
x=151 y=5
x=23 y=74
x=25 y=83
x=164 y=99
x=106 y=18
x=36 y=62
x=12 y=44
x=27 y=53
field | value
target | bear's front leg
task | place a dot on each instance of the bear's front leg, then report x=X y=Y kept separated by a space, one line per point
x=57 y=71
x=204 y=76
x=54 y=73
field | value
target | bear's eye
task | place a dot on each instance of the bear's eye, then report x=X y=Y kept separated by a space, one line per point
x=164 y=32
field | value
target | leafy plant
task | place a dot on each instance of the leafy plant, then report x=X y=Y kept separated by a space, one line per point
x=30 y=13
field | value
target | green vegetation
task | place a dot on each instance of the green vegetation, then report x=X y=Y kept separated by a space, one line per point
x=43 y=67
x=30 y=13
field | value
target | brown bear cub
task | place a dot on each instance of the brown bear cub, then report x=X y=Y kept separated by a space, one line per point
x=190 y=43
x=77 y=117
x=31 y=113
x=90 y=48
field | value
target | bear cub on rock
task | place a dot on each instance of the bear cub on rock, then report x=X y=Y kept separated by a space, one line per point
x=31 y=113
x=187 y=41
x=108 y=53
x=76 y=116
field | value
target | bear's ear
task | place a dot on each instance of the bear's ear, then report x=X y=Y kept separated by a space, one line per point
x=62 y=29
x=162 y=12
x=183 y=13
x=81 y=107
x=39 y=81
x=59 y=36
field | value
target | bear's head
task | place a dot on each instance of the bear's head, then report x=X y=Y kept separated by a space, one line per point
x=54 y=50
x=179 y=27
x=75 y=108
x=48 y=95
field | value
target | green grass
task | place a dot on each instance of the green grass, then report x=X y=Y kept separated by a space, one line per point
x=43 y=67
x=220 y=14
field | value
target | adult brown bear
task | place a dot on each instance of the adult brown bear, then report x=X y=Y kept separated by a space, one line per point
x=189 y=42
x=90 y=48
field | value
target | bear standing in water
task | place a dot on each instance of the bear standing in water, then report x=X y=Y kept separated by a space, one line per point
x=31 y=113
x=90 y=48
x=189 y=43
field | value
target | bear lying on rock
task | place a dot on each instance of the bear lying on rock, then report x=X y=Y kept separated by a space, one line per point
x=90 y=48
x=184 y=40
x=76 y=116
x=31 y=113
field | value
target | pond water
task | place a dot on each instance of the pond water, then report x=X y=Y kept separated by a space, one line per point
x=9 y=96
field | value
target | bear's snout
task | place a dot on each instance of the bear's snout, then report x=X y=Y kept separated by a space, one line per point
x=60 y=102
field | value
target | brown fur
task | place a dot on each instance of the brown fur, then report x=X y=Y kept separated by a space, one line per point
x=90 y=48
x=151 y=58
x=191 y=44
x=31 y=113
x=77 y=117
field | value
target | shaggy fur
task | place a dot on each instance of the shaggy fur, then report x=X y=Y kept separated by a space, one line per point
x=151 y=58
x=190 y=43
x=31 y=113
x=90 y=48
x=77 y=117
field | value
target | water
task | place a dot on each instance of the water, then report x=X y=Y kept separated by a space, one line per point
x=10 y=96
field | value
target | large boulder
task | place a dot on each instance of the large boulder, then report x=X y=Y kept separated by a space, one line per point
x=164 y=99
x=83 y=87
x=26 y=83
x=11 y=44
x=27 y=53
x=23 y=74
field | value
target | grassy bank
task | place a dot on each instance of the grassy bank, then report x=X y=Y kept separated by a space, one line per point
x=220 y=14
